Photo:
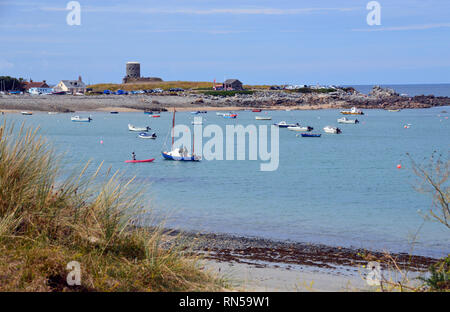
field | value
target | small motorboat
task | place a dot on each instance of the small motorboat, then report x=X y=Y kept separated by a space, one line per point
x=148 y=112
x=300 y=128
x=140 y=161
x=311 y=135
x=256 y=110
x=145 y=135
x=220 y=114
x=230 y=115
x=27 y=113
x=284 y=124
x=345 y=120
x=138 y=129
x=114 y=112
x=81 y=119
x=352 y=111
x=393 y=110
x=263 y=118
x=332 y=130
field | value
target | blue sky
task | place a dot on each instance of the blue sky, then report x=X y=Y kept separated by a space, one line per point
x=256 y=41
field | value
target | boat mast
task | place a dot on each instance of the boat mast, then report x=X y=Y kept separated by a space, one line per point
x=173 y=126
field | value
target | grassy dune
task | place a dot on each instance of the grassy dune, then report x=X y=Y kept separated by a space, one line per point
x=165 y=85
x=45 y=223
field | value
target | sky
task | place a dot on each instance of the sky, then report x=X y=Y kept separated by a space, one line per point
x=255 y=41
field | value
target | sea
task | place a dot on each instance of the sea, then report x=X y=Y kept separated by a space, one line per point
x=442 y=89
x=339 y=190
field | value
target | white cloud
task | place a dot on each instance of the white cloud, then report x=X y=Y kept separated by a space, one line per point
x=194 y=11
x=403 y=28
x=204 y=31
x=25 y=26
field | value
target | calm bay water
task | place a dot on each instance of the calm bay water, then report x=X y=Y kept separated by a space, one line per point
x=339 y=189
x=442 y=89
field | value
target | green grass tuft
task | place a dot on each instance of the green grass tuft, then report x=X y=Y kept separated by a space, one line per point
x=45 y=223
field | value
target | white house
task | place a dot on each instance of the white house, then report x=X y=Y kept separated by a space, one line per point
x=71 y=86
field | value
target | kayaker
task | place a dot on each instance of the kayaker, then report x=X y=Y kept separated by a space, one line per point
x=133 y=155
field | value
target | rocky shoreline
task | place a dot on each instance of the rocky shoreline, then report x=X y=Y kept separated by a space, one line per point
x=262 y=252
x=266 y=99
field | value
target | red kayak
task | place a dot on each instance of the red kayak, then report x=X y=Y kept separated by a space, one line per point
x=140 y=161
x=154 y=116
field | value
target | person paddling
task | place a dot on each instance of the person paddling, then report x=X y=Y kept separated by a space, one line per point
x=133 y=155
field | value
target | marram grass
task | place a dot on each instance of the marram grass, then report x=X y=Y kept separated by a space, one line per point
x=45 y=223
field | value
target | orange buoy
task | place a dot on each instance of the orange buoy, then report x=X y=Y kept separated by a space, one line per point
x=399 y=166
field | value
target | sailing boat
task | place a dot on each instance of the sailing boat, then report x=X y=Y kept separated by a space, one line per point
x=181 y=153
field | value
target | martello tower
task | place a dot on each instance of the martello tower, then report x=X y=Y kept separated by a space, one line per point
x=133 y=70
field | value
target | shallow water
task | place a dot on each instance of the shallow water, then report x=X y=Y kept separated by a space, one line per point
x=442 y=89
x=338 y=189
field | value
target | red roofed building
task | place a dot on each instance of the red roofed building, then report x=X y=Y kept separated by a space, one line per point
x=35 y=84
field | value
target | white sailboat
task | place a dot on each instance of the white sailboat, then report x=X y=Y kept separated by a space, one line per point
x=179 y=154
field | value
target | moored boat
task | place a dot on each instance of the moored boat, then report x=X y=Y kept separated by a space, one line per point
x=80 y=119
x=145 y=135
x=311 y=135
x=181 y=153
x=230 y=115
x=393 y=110
x=138 y=129
x=300 y=128
x=27 y=113
x=352 y=111
x=284 y=124
x=332 y=130
x=256 y=110
x=263 y=118
x=345 y=120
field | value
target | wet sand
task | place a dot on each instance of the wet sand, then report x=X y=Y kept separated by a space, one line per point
x=257 y=264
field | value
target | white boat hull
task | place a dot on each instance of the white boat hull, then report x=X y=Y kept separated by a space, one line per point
x=138 y=129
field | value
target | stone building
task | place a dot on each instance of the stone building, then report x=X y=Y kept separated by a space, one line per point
x=232 y=84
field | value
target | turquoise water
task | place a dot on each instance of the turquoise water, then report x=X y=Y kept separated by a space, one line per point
x=340 y=190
